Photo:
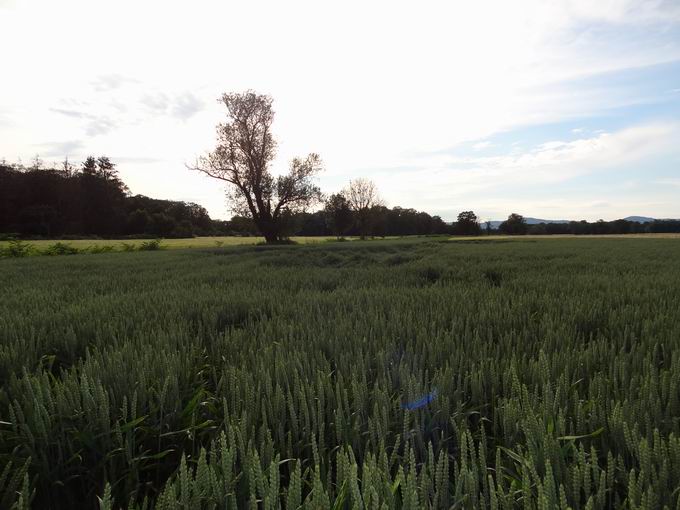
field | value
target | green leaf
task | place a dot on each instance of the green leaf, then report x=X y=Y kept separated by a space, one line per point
x=193 y=403
x=395 y=486
x=131 y=424
x=340 y=499
x=584 y=436
x=155 y=456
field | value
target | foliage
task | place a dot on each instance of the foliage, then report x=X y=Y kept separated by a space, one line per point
x=601 y=227
x=93 y=200
x=514 y=225
x=60 y=248
x=468 y=224
x=338 y=214
x=101 y=248
x=283 y=376
x=16 y=248
x=362 y=198
x=242 y=158
x=151 y=245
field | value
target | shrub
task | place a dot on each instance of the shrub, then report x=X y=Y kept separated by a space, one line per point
x=151 y=245
x=128 y=246
x=60 y=248
x=101 y=248
x=17 y=248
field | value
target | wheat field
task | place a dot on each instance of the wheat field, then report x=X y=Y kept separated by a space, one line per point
x=398 y=374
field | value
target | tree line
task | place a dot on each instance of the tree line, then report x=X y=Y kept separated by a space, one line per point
x=92 y=200
x=517 y=225
x=89 y=200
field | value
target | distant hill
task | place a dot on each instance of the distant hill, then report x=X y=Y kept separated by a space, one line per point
x=530 y=221
x=536 y=221
x=639 y=219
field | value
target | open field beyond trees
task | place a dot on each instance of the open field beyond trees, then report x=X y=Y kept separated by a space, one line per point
x=96 y=246
x=398 y=374
x=189 y=242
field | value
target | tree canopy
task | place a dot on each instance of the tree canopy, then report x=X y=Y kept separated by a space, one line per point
x=514 y=225
x=242 y=158
x=467 y=224
x=90 y=201
x=362 y=197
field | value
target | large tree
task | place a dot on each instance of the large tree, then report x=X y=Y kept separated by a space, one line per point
x=245 y=149
x=362 y=196
x=468 y=224
x=338 y=214
x=103 y=196
x=514 y=225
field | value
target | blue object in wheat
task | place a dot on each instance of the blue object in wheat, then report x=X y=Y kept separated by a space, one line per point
x=423 y=401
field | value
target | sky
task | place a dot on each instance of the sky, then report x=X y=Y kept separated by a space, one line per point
x=561 y=109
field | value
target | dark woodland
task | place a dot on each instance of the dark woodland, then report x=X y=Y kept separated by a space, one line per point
x=91 y=201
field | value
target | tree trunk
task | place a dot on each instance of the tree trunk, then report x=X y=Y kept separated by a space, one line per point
x=269 y=230
x=270 y=238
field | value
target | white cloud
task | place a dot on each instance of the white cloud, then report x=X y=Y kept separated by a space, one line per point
x=604 y=150
x=482 y=145
x=491 y=183
x=560 y=160
x=108 y=82
x=186 y=106
x=669 y=182
x=59 y=149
